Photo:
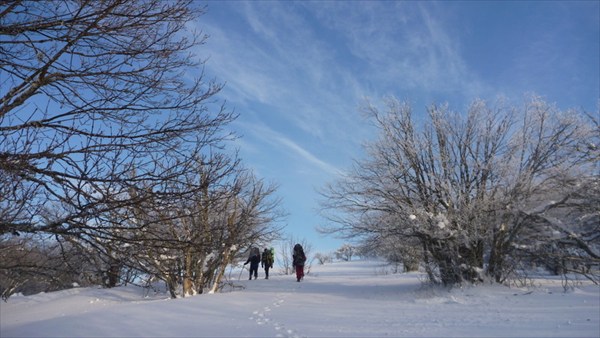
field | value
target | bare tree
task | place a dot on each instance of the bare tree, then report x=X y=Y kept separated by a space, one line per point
x=100 y=99
x=253 y=218
x=454 y=183
x=31 y=264
x=286 y=250
x=95 y=102
x=190 y=244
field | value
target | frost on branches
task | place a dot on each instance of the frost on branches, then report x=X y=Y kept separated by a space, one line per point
x=489 y=193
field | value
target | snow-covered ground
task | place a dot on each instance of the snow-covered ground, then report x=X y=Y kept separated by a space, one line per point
x=352 y=299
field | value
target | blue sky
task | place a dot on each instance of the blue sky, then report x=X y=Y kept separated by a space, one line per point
x=297 y=72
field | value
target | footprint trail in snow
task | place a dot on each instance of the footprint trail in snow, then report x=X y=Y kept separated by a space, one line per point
x=262 y=317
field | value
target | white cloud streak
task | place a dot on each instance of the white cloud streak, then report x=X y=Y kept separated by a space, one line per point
x=300 y=154
x=278 y=60
x=404 y=46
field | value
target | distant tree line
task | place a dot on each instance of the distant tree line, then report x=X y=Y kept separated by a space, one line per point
x=486 y=194
x=114 y=158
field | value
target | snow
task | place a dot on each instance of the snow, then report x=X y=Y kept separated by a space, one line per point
x=349 y=299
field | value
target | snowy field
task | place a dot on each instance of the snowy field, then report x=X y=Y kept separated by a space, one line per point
x=354 y=299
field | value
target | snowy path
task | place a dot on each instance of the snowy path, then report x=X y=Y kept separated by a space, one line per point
x=263 y=317
x=358 y=299
x=355 y=299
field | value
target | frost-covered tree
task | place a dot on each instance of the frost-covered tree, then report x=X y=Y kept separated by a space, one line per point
x=559 y=229
x=345 y=252
x=406 y=252
x=456 y=185
x=323 y=258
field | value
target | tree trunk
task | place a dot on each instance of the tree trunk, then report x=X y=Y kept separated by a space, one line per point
x=188 y=272
x=411 y=262
x=496 y=267
x=223 y=266
x=428 y=263
x=113 y=273
x=172 y=285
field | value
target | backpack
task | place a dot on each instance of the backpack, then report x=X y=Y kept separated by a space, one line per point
x=299 y=257
x=254 y=256
x=298 y=248
x=268 y=258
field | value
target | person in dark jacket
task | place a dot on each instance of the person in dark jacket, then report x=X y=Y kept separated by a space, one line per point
x=298 y=260
x=267 y=261
x=254 y=260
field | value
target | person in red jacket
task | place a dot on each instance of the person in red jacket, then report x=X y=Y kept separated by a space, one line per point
x=298 y=260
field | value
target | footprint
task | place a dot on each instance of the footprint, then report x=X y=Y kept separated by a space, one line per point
x=261 y=317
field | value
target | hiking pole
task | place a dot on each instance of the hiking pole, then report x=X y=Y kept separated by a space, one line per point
x=242 y=270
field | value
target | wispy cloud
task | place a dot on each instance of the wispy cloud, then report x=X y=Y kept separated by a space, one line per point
x=307 y=66
x=404 y=47
x=280 y=61
x=307 y=155
x=261 y=132
x=297 y=71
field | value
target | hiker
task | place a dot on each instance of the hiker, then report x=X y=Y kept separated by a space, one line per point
x=298 y=260
x=253 y=259
x=267 y=261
